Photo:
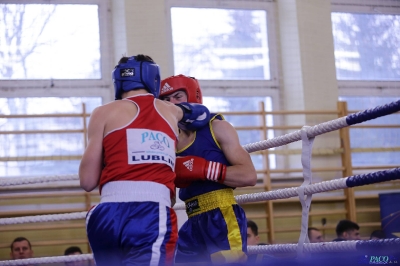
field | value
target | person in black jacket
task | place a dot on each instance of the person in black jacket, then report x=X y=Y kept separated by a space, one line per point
x=347 y=230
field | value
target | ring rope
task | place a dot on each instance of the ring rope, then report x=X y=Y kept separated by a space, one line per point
x=285 y=193
x=342 y=246
x=305 y=199
x=55 y=259
x=352 y=181
x=44 y=218
x=312 y=131
x=326 y=127
x=33 y=180
x=350 y=245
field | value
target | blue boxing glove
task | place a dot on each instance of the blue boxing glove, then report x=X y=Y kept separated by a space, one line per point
x=195 y=116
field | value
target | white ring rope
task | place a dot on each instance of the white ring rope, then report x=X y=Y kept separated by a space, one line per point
x=308 y=189
x=44 y=218
x=261 y=145
x=257 y=146
x=342 y=246
x=305 y=199
x=55 y=259
x=296 y=136
x=285 y=193
x=311 y=131
x=32 y=180
x=245 y=198
x=292 y=192
x=308 y=247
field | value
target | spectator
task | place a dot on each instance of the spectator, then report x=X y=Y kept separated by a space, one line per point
x=253 y=239
x=378 y=234
x=347 y=230
x=315 y=235
x=252 y=233
x=74 y=250
x=21 y=249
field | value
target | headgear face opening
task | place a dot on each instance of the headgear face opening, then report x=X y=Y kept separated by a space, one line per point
x=134 y=75
x=181 y=82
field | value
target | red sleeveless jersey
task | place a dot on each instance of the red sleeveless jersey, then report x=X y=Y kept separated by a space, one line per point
x=143 y=150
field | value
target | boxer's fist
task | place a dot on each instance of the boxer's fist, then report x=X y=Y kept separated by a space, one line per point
x=193 y=168
x=195 y=116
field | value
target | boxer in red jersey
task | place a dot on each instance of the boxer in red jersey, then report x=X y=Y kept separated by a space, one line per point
x=131 y=157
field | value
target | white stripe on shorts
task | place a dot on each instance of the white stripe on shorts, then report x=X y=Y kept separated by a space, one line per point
x=156 y=248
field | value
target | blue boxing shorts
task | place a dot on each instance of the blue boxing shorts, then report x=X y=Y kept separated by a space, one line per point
x=216 y=231
x=133 y=225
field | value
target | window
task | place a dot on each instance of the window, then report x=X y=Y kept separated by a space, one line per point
x=55 y=45
x=366 y=37
x=229 y=44
x=366 y=46
x=39 y=44
x=42 y=146
x=231 y=48
x=233 y=42
x=53 y=58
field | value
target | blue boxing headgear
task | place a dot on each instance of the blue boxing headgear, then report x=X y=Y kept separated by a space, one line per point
x=134 y=75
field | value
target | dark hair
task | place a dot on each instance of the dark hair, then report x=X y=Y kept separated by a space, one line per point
x=345 y=226
x=19 y=239
x=139 y=57
x=253 y=226
x=378 y=234
x=312 y=228
x=72 y=249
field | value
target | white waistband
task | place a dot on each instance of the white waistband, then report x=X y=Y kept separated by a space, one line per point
x=129 y=191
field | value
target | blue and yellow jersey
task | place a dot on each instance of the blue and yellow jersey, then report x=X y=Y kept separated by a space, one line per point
x=206 y=146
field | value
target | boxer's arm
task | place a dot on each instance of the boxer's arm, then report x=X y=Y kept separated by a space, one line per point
x=241 y=173
x=92 y=160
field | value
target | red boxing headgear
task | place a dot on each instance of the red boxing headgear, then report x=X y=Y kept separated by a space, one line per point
x=181 y=82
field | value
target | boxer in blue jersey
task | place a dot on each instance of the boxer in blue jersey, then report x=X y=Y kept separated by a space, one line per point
x=210 y=164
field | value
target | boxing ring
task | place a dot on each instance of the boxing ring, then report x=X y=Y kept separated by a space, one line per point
x=304 y=192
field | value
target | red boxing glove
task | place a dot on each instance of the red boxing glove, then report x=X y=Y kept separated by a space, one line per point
x=193 y=168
